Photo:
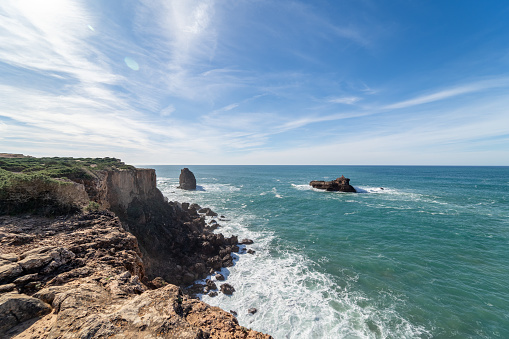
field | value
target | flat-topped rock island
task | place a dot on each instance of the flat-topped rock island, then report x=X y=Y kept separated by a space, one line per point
x=341 y=184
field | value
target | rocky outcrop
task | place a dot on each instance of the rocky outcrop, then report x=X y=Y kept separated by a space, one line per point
x=340 y=184
x=83 y=277
x=187 y=181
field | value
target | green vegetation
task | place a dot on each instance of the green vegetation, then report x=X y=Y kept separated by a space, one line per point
x=93 y=206
x=36 y=185
x=15 y=170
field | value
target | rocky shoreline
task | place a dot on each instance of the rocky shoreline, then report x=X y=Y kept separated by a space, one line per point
x=117 y=270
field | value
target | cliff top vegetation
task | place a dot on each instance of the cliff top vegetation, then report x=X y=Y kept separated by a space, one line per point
x=16 y=169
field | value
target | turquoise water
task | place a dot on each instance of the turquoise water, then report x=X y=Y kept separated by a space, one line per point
x=426 y=257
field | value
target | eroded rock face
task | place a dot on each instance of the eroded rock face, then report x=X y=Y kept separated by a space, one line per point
x=175 y=242
x=187 y=181
x=83 y=277
x=340 y=184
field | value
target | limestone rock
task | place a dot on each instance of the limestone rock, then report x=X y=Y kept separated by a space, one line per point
x=9 y=271
x=16 y=308
x=98 y=290
x=340 y=184
x=187 y=181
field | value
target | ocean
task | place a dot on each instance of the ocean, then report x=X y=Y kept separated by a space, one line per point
x=427 y=256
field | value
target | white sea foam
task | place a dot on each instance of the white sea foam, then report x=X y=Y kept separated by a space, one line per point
x=293 y=298
x=277 y=195
x=373 y=189
x=302 y=187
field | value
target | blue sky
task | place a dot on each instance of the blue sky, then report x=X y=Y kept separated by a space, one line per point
x=257 y=82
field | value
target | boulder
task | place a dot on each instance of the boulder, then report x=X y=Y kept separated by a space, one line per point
x=187 y=181
x=250 y=251
x=211 y=213
x=247 y=241
x=227 y=289
x=219 y=277
x=16 y=308
x=252 y=310
x=210 y=284
x=341 y=184
x=9 y=272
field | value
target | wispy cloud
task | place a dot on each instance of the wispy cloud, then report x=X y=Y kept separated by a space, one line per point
x=344 y=100
x=451 y=92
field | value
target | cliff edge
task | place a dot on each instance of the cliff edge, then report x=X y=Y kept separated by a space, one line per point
x=91 y=249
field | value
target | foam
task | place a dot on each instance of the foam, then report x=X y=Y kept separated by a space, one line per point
x=293 y=297
x=276 y=194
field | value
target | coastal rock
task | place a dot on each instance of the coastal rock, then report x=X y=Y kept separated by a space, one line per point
x=211 y=285
x=9 y=271
x=99 y=291
x=252 y=310
x=250 y=251
x=88 y=266
x=341 y=184
x=16 y=308
x=219 y=277
x=227 y=289
x=187 y=181
x=247 y=242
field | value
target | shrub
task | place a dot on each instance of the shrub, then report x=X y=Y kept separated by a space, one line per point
x=93 y=206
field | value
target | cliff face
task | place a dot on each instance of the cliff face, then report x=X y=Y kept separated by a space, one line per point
x=48 y=197
x=175 y=244
x=119 y=188
x=104 y=274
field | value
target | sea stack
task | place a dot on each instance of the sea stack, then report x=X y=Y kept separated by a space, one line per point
x=340 y=184
x=187 y=181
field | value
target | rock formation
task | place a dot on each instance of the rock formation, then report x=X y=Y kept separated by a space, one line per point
x=83 y=277
x=340 y=184
x=187 y=181
x=112 y=272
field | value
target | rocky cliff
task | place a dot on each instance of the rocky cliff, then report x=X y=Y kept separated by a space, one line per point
x=114 y=272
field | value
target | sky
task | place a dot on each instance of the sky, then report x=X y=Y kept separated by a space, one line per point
x=192 y=82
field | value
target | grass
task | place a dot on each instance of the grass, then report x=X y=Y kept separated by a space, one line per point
x=21 y=170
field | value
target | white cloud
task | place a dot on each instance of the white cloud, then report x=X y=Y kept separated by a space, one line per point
x=345 y=100
x=450 y=92
x=167 y=111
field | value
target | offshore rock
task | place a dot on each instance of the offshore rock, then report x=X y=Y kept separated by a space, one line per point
x=227 y=289
x=187 y=181
x=340 y=184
